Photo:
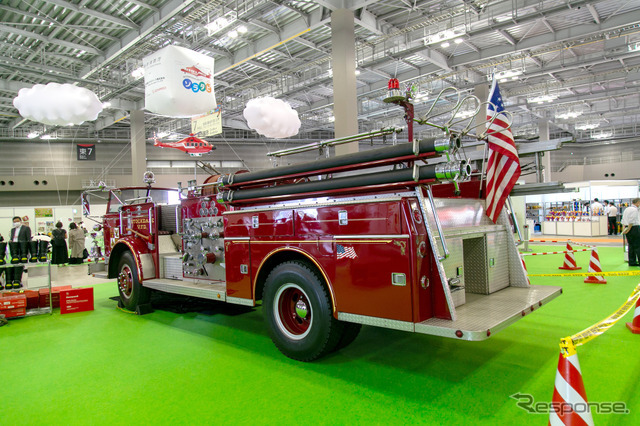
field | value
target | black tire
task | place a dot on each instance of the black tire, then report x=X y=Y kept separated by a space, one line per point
x=132 y=293
x=299 y=313
x=349 y=334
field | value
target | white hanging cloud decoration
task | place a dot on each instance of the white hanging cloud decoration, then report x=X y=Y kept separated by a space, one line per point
x=58 y=104
x=272 y=117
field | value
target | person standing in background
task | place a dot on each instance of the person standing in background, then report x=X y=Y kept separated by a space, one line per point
x=59 y=251
x=76 y=243
x=613 y=219
x=596 y=208
x=19 y=234
x=631 y=222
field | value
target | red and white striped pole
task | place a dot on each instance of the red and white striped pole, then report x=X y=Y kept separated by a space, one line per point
x=569 y=403
x=569 y=260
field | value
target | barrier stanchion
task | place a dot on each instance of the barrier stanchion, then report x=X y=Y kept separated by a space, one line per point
x=526 y=238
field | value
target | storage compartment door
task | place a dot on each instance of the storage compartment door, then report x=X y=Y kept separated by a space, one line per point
x=475 y=265
x=498 y=261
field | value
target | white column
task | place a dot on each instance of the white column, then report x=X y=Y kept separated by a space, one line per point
x=138 y=147
x=543 y=132
x=343 y=64
x=482 y=92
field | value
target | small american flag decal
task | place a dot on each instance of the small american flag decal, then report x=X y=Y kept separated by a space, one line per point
x=343 y=252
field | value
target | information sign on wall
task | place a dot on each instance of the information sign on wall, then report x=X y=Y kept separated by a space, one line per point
x=86 y=152
x=44 y=212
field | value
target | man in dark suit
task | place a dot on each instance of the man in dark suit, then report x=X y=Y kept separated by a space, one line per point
x=20 y=236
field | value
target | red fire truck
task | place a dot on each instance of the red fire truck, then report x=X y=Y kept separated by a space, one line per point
x=406 y=246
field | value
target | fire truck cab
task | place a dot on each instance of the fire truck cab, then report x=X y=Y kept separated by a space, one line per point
x=409 y=248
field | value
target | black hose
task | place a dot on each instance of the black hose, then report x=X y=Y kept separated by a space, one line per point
x=358 y=158
x=370 y=179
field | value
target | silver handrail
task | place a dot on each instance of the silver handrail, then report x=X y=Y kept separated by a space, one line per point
x=334 y=142
x=515 y=221
x=178 y=211
x=436 y=219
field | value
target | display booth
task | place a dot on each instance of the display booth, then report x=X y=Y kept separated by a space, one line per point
x=565 y=213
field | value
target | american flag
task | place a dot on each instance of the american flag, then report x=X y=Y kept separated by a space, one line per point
x=503 y=168
x=346 y=252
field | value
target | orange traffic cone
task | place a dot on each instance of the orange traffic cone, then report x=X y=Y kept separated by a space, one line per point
x=594 y=266
x=569 y=403
x=635 y=325
x=570 y=260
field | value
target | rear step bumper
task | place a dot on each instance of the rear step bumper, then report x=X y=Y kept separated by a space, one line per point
x=213 y=291
x=484 y=315
x=102 y=274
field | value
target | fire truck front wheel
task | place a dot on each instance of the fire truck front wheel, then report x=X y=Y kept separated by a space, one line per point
x=132 y=293
x=299 y=313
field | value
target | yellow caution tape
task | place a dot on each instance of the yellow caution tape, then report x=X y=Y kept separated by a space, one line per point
x=567 y=348
x=589 y=274
x=126 y=311
x=568 y=344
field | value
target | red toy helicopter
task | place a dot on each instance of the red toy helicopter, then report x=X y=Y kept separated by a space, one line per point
x=192 y=145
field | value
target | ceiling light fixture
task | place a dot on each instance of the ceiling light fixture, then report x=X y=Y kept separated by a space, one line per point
x=503 y=18
x=445 y=44
x=217 y=24
x=32 y=135
x=542 y=99
x=458 y=40
x=242 y=29
x=233 y=34
x=602 y=135
x=587 y=126
x=505 y=75
x=448 y=34
x=137 y=73
x=569 y=114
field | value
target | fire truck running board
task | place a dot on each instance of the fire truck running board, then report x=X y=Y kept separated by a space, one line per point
x=485 y=314
x=101 y=274
x=215 y=291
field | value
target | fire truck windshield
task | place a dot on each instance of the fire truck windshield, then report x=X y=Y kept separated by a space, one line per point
x=120 y=197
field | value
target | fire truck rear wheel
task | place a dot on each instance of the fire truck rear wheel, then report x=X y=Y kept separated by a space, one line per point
x=349 y=334
x=132 y=293
x=299 y=313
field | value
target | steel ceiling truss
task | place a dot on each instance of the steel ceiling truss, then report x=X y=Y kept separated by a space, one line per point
x=587 y=52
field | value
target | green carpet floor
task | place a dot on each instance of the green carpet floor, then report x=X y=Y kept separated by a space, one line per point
x=109 y=367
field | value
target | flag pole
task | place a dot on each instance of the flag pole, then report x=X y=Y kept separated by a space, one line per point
x=482 y=170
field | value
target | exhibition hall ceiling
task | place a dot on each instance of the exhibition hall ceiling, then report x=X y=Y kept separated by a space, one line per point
x=573 y=63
